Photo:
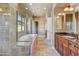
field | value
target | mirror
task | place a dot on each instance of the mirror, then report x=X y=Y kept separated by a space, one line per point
x=68 y=22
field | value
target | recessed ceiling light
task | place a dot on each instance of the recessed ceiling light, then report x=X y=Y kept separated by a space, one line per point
x=30 y=4
x=44 y=8
x=26 y=8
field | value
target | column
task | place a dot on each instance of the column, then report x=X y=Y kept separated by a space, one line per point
x=12 y=23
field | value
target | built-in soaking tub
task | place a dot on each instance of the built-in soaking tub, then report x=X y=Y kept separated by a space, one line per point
x=27 y=41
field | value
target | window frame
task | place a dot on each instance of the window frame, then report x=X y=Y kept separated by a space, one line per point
x=21 y=21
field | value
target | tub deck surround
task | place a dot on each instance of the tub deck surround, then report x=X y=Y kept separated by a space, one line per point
x=27 y=37
x=26 y=41
x=24 y=45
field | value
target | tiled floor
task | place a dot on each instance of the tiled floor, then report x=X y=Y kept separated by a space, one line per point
x=43 y=48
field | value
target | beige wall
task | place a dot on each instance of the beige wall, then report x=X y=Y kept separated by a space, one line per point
x=41 y=24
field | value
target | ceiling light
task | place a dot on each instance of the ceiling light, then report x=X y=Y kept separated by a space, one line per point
x=30 y=4
x=71 y=9
x=44 y=8
x=26 y=8
x=68 y=8
x=0 y=9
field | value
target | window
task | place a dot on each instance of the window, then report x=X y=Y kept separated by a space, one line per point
x=21 y=23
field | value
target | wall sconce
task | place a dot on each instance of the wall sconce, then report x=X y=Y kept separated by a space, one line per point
x=0 y=9
x=60 y=14
x=57 y=17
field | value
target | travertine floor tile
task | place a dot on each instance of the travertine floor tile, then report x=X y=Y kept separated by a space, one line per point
x=43 y=48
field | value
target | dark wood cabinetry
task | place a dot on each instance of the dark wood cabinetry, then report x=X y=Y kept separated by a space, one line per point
x=73 y=49
x=66 y=47
x=78 y=50
x=60 y=45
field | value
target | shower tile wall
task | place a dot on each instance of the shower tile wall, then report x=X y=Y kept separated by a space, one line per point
x=4 y=35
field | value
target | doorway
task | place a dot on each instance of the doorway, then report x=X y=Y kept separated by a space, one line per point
x=36 y=24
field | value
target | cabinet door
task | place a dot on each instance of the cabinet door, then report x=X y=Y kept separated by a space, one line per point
x=65 y=47
x=73 y=49
x=60 y=46
x=78 y=50
x=56 y=42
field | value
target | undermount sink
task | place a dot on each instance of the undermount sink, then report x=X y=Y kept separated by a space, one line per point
x=77 y=41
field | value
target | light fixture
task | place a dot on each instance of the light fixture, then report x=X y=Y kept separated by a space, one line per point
x=57 y=17
x=26 y=8
x=44 y=8
x=68 y=8
x=30 y=4
x=71 y=9
x=0 y=9
x=60 y=14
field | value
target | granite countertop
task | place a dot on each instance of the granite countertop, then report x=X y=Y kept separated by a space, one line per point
x=71 y=38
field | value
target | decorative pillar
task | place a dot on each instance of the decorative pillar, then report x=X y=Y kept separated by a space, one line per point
x=12 y=23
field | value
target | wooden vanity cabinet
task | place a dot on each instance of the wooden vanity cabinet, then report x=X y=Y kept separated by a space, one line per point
x=60 y=41
x=59 y=44
x=73 y=49
x=56 y=42
x=65 y=47
x=78 y=49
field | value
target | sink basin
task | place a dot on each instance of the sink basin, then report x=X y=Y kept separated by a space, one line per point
x=77 y=41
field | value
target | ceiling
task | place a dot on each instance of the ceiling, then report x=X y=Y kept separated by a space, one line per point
x=60 y=7
x=4 y=7
x=39 y=9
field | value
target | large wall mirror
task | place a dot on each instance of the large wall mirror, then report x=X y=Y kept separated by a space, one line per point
x=59 y=23
x=68 y=22
x=77 y=21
